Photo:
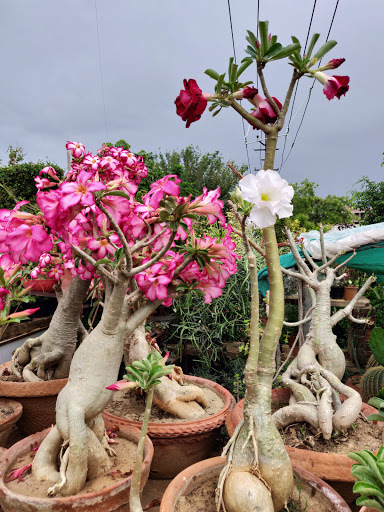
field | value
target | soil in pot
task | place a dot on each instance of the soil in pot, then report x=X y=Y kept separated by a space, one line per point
x=131 y=405
x=180 y=443
x=122 y=466
x=10 y=412
x=194 y=491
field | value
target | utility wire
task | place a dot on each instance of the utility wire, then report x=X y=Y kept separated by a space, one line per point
x=296 y=87
x=101 y=76
x=234 y=55
x=310 y=90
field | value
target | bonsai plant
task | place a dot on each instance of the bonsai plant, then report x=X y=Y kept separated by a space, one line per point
x=258 y=473
x=103 y=233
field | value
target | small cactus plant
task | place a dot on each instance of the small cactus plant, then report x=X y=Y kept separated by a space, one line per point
x=372 y=382
x=376 y=344
x=369 y=474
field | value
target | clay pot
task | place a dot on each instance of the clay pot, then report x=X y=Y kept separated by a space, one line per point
x=40 y=285
x=192 y=477
x=7 y=423
x=350 y=292
x=112 y=498
x=178 y=445
x=37 y=398
x=333 y=468
x=368 y=509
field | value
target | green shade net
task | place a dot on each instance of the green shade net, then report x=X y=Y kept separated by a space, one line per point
x=369 y=259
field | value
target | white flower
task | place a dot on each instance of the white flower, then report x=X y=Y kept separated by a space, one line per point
x=270 y=194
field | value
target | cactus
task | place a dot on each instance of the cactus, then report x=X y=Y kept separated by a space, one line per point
x=372 y=362
x=369 y=474
x=376 y=344
x=372 y=382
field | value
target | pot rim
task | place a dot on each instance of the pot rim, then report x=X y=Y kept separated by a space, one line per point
x=180 y=482
x=30 y=442
x=183 y=428
x=30 y=389
x=12 y=418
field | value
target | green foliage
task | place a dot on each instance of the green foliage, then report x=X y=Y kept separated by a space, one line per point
x=376 y=344
x=372 y=382
x=369 y=474
x=146 y=373
x=19 y=178
x=370 y=198
x=206 y=326
x=378 y=403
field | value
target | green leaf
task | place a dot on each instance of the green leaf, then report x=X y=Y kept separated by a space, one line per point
x=291 y=49
x=251 y=38
x=327 y=47
x=212 y=73
x=295 y=40
x=263 y=30
x=311 y=45
x=273 y=50
x=376 y=344
x=220 y=81
x=230 y=64
x=366 y=489
x=251 y=51
x=119 y=253
x=163 y=215
x=273 y=40
x=370 y=503
x=104 y=261
x=364 y=474
x=380 y=453
x=119 y=193
x=375 y=417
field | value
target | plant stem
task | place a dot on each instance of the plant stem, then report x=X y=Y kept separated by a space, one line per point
x=134 y=497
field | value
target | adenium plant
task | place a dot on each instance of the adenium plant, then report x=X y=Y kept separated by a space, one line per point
x=258 y=474
x=141 y=254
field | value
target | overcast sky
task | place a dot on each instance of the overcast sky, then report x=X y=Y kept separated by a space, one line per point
x=51 y=88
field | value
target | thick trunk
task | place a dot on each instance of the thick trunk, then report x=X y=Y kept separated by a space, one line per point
x=50 y=355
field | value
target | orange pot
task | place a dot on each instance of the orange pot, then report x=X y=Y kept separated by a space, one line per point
x=350 y=292
x=40 y=285
x=195 y=475
x=7 y=423
x=178 y=445
x=114 y=498
x=37 y=398
x=333 y=468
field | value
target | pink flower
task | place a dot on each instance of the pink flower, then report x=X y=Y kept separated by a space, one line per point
x=76 y=148
x=25 y=313
x=35 y=273
x=102 y=246
x=56 y=272
x=153 y=281
x=79 y=193
x=333 y=85
x=190 y=103
x=18 y=473
x=264 y=111
x=50 y=171
x=210 y=205
x=332 y=64
x=27 y=243
x=122 y=385
x=162 y=187
x=45 y=259
x=42 y=183
x=3 y=293
x=91 y=161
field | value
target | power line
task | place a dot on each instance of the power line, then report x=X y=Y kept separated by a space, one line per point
x=296 y=87
x=234 y=55
x=310 y=90
x=101 y=75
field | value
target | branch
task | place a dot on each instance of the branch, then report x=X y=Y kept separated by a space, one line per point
x=322 y=246
x=251 y=242
x=248 y=117
x=158 y=256
x=308 y=257
x=339 y=278
x=297 y=275
x=145 y=242
x=271 y=101
x=345 y=262
x=235 y=171
x=342 y=313
x=284 y=110
x=299 y=260
x=329 y=262
x=120 y=234
x=93 y=262
x=360 y=320
x=299 y=322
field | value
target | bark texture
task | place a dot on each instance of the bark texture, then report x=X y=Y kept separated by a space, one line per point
x=49 y=356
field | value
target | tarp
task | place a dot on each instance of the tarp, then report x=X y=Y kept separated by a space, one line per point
x=369 y=257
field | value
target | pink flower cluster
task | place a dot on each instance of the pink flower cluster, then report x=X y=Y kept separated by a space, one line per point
x=95 y=208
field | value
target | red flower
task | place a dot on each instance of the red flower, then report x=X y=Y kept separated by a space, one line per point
x=333 y=85
x=190 y=104
x=249 y=93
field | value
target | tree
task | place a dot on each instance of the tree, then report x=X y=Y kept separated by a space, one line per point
x=370 y=198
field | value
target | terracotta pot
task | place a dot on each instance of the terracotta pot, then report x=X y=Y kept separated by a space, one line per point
x=333 y=468
x=7 y=423
x=195 y=475
x=368 y=509
x=37 y=398
x=40 y=285
x=350 y=292
x=112 y=498
x=178 y=445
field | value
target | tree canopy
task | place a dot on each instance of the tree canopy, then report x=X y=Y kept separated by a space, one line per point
x=371 y=199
